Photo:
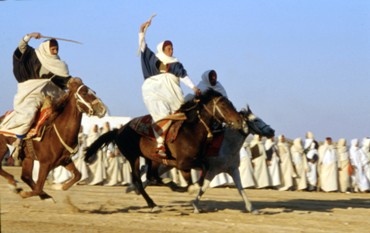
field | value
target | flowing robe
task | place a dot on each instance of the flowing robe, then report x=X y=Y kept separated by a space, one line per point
x=286 y=167
x=328 y=165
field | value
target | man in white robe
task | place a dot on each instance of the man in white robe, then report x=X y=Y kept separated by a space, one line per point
x=39 y=73
x=97 y=173
x=312 y=156
x=273 y=162
x=259 y=162
x=245 y=167
x=358 y=162
x=365 y=149
x=286 y=165
x=161 y=89
x=343 y=165
x=300 y=164
x=328 y=166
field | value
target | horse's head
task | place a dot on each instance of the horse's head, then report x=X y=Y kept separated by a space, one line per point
x=255 y=125
x=87 y=101
x=221 y=109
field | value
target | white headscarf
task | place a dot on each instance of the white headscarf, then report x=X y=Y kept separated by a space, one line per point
x=51 y=62
x=163 y=57
x=204 y=84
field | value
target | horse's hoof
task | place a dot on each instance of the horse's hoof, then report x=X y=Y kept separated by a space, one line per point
x=255 y=212
x=24 y=194
x=193 y=189
x=196 y=208
x=132 y=188
x=156 y=209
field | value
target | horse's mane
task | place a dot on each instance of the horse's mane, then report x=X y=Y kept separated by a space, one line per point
x=57 y=107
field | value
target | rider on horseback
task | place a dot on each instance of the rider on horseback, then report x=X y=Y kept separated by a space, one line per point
x=161 y=90
x=39 y=73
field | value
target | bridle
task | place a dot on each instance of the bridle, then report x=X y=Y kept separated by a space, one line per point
x=81 y=100
x=216 y=109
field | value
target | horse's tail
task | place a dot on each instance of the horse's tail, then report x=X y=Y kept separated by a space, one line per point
x=98 y=143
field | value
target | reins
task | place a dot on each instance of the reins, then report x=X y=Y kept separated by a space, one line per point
x=68 y=148
x=212 y=113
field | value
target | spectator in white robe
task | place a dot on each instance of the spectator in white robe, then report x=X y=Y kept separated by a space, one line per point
x=312 y=156
x=300 y=164
x=125 y=166
x=78 y=159
x=343 y=165
x=360 y=180
x=273 y=162
x=365 y=148
x=97 y=173
x=259 y=157
x=286 y=165
x=111 y=162
x=113 y=169
x=245 y=167
x=328 y=166
x=61 y=175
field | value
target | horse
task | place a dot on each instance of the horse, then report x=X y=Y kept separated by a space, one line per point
x=228 y=158
x=59 y=140
x=185 y=152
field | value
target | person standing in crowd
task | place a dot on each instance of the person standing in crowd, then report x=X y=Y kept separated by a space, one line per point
x=161 y=89
x=39 y=73
x=245 y=167
x=361 y=182
x=97 y=173
x=273 y=162
x=328 y=166
x=300 y=164
x=259 y=162
x=78 y=159
x=312 y=156
x=286 y=166
x=365 y=149
x=344 y=166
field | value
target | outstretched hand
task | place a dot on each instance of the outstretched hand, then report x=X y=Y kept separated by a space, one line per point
x=36 y=35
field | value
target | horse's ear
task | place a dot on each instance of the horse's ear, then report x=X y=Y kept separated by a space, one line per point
x=249 y=109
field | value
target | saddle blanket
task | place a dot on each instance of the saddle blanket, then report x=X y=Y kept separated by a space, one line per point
x=37 y=128
x=144 y=125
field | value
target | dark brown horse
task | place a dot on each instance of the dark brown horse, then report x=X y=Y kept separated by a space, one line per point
x=188 y=148
x=59 y=141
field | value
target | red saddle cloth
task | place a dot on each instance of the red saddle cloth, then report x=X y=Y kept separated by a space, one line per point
x=214 y=146
x=143 y=126
x=37 y=127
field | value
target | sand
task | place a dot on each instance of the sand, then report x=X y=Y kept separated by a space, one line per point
x=109 y=209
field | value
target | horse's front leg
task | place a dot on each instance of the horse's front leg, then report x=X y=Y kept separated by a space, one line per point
x=235 y=174
x=37 y=189
x=76 y=176
x=206 y=183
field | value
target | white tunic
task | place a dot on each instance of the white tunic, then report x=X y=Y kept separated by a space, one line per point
x=328 y=165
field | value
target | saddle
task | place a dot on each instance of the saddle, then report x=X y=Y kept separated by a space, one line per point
x=38 y=127
x=143 y=126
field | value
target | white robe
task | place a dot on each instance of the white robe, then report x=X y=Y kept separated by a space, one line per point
x=29 y=99
x=343 y=165
x=274 y=164
x=286 y=167
x=361 y=181
x=300 y=164
x=328 y=165
x=97 y=172
x=162 y=95
x=113 y=167
x=260 y=170
x=246 y=168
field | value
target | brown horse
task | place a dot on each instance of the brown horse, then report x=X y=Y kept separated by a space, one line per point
x=188 y=148
x=59 y=142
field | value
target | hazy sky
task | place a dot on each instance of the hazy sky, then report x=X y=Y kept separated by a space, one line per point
x=300 y=65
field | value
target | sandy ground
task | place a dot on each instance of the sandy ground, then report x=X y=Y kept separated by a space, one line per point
x=109 y=209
